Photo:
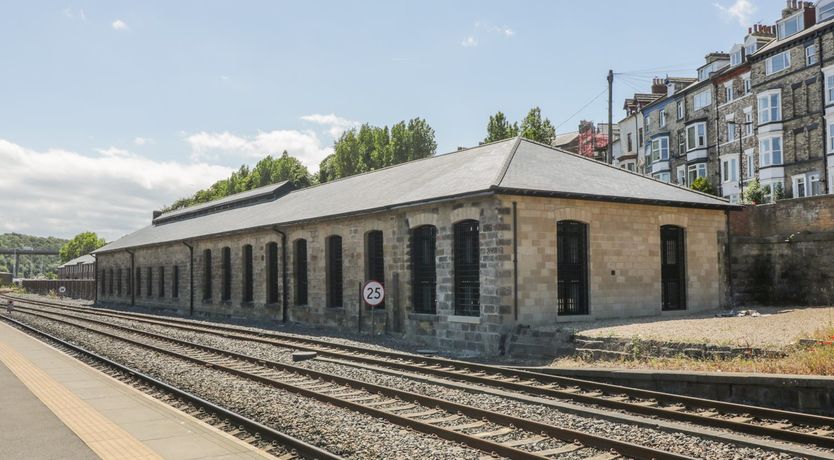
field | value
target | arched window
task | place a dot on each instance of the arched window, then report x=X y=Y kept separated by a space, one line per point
x=226 y=268
x=207 y=275
x=673 y=267
x=375 y=259
x=424 y=269
x=248 y=284
x=467 y=268
x=334 y=271
x=272 y=272
x=300 y=260
x=572 y=267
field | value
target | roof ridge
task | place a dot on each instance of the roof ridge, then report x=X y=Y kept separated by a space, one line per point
x=507 y=161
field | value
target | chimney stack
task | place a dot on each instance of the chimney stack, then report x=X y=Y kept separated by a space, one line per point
x=658 y=86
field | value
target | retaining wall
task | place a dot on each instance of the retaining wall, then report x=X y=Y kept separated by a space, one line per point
x=75 y=289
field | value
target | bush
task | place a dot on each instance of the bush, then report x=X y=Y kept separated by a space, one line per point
x=754 y=194
x=701 y=184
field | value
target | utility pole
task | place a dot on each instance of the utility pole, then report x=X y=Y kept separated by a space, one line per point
x=609 y=157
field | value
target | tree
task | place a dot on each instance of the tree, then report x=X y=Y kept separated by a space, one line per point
x=778 y=192
x=536 y=129
x=703 y=185
x=754 y=193
x=499 y=128
x=81 y=244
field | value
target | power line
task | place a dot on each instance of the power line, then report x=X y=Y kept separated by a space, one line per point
x=582 y=108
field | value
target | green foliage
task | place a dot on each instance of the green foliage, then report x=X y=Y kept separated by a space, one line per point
x=533 y=127
x=83 y=243
x=368 y=148
x=778 y=192
x=703 y=185
x=267 y=171
x=754 y=193
x=30 y=266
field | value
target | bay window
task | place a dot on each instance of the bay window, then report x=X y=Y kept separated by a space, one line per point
x=770 y=151
x=696 y=171
x=702 y=99
x=778 y=63
x=729 y=170
x=770 y=107
x=696 y=136
x=660 y=149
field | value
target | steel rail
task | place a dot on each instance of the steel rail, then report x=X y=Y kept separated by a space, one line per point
x=563 y=434
x=301 y=447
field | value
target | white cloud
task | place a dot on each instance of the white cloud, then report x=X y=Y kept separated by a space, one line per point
x=505 y=31
x=469 y=42
x=336 y=125
x=304 y=145
x=741 y=11
x=61 y=193
x=72 y=14
x=118 y=24
x=142 y=140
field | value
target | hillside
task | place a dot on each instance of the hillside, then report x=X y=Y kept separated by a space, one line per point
x=30 y=265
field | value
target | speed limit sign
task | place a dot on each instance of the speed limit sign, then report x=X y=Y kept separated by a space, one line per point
x=62 y=289
x=373 y=293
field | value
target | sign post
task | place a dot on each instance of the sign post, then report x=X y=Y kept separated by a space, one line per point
x=373 y=293
x=61 y=291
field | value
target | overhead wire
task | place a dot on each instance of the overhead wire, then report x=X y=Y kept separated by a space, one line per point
x=582 y=108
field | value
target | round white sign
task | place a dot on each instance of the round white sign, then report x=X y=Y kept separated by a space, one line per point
x=373 y=293
x=62 y=289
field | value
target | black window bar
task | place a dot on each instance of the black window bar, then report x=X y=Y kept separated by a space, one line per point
x=161 y=283
x=207 y=275
x=673 y=267
x=424 y=269
x=102 y=287
x=138 y=282
x=175 y=281
x=119 y=282
x=375 y=259
x=226 y=264
x=334 y=272
x=272 y=273
x=110 y=286
x=149 y=282
x=129 y=280
x=247 y=273
x=301 y=272
x=467 y=268
x=572 y=267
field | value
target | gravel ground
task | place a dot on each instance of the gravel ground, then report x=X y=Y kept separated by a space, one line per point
x=338 y=430
x=674 y=442
x=784 y=327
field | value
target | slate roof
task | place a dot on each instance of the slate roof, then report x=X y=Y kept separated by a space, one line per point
x=510 y=166
x=266 y=192
x=775 y=44
x=85 y=259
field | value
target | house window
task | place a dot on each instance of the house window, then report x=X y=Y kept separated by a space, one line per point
x=207 y=275
x=639 y=136
x=747 y=85
x=811 y=54
x=467 y=268
x=728 y=93
x=799 y=187
x=695 y=171
x=630 y=167
x=750 y=159
x=814 y=187
x=424 y=269
x=770 y=108
x=748 y=121
x=663 y=177
x=825 y=10
x=778 y=63
x=731 y=132
x=770 y=151
x=702 y=99
x=696 y=136
x=772 y=190
x=751 y=48
x=149 y=282
x=161 y=282
x=662 y=118
x=790 y=26
x=681 y=173
x=829 y=89
x=681 y=109
x=175 y=282
x=226 y=263
x=831 y=137
x=660 y=149
x=729 y=170
x=272 y=273
x=334 y=271
x=681 y=142
x=248 y=277
x=301 y=272
x=628 y=142
x=735 y=58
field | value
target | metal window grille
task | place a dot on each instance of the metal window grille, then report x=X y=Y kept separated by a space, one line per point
x=119 y=282
x=572 y=267
x=161 y=282
x=376 y=259
x=129 y=279
x=226 y=262
x=424 y=269
x=102 y=281
x=149 y=282
x=301 y=272
x=467 y=268
x=272 y=273
x=207 y=274
x=138 y=282
x=175 y=282
x=247 y=273
x=334 y=271
x=673 y=267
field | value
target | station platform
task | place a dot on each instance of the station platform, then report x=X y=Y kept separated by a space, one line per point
x=55 y=407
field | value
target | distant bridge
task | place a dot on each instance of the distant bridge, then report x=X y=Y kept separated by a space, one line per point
x=17 y=252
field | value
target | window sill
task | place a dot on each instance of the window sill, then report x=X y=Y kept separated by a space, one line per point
x=423 y=316
x=464 y=319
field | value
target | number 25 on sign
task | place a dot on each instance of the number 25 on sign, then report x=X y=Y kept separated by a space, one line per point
x=373 y=293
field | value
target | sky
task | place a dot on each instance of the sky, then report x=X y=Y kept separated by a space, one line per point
x=109 y=110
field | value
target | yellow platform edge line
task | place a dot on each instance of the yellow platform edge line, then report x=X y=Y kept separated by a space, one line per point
x=106 y=439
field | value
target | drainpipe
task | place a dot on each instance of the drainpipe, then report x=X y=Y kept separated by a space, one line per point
x=824 y=172
x=515 y=260
x=132 y=279
x=729 y=258
x=95 y=297
x=191 y=276
x=717 y=140
x=284 y=280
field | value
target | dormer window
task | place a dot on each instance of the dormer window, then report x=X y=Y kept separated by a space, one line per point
x=825 y=10
x=790 y=26
x=735 y=58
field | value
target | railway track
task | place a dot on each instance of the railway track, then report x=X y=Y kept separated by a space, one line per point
x=782 y=425
x=471 y=426
x=281 y=445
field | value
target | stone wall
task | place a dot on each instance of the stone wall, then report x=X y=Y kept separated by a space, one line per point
x=783 y=253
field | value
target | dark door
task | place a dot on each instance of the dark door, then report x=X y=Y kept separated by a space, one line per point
x=572 y=267
x=375 y=259
x=673 y=267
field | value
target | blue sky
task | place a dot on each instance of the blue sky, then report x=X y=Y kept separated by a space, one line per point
x=135 y=104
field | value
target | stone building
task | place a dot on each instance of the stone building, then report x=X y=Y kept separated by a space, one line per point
x=469 y=245
x=631 y=129
x=80 y=268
